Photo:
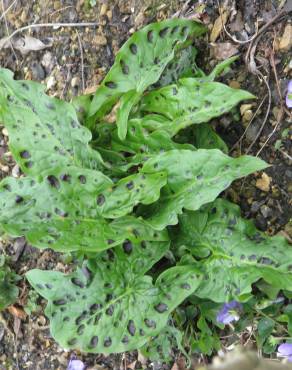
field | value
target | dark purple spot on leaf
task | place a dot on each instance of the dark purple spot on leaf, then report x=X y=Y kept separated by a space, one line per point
x=150 y=323
x=80 y=329
x=59 y=302
x=130 y=185
x=28 y=164
x=65 y=177
x=131 y=327
x=77 y=282
x=25 y=154
x=93 y=341
x=127 y=246
x=150 y=36
x=125 y=67
x=175 y=29
x=18 y=199
x=110 y=310
x=185 y=286
x=100 y=200
x=125 y=340
x=97 y=318
x=161 y=307
x=111 y=84
x=53 y=181
x=82 y=179
x=133 y=49
x=107 y=342
x=72 y=341
x=163 y=32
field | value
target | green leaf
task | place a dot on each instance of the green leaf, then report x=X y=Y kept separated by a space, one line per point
x=239 y=255
x=8 y=289
x=161 y=348
x=194 y=178
x=265 y=329
x=65 y=212
x=192 y=101
x=202 y=136
x=140 y=140
x=44 y=132
x=139 y=64
x=113 y=307
x=207 y=138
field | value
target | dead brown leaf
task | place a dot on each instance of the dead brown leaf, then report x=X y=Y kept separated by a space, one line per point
x=285 y=42
x=224 y=50
x=264 y=182
x=25 y=44
x=218 y=26
x=17 y=312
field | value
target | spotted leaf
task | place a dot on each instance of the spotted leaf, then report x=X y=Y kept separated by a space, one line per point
x=139 y=64
x=238 y=254
x=44 y=132
x=194 y=178
x=67 y=210
x=113 y=307
x=192 y=101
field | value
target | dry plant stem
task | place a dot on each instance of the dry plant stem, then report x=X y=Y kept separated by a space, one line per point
x=82 y=61
x=7 y=10
x=7 y=29
x=234 y=39
x=50 y=25
x=239 y=141
x=281 y=113
x=260 y=32
x=259 y=74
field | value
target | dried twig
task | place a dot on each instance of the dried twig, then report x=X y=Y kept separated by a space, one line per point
x=234 y=39
x=249 y=57
x=7 y=29
x=281 y=113
x=50 y=25
x=249 y=123
x=82 y=60
x=7 y=10
x=260 y=75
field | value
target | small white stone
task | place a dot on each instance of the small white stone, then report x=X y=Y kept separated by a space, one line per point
x=4 y=131
x=51 y=82
x=15 y=171
x=75 y=82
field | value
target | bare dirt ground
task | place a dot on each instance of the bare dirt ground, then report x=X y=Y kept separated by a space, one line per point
x=75 y=59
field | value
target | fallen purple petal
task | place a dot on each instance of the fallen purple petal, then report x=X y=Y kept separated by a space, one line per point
x=285 y=349
x=289 y=95
x=229 y=312
x=76 y=365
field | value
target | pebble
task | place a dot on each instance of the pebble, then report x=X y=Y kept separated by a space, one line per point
x=266 y=211
x=51 y=82
x=264 y=182
x=15 y=172
x=75 y=82
x=4 y=168
x=4 y=131
x=48 y=61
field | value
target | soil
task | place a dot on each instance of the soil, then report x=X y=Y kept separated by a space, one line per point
x=77 y=60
